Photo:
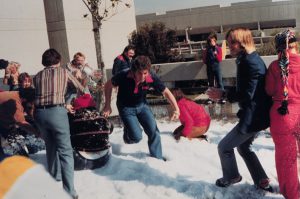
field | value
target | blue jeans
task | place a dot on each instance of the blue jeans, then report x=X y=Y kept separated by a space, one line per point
x=243 y=143
x=54 y=126
x=132 y=118
x=214 y=73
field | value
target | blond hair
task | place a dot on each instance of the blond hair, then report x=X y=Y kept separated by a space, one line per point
x=78 y=54
x=243 y=36
x=294 y=45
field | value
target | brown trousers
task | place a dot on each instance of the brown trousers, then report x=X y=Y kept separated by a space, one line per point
x=195 y=133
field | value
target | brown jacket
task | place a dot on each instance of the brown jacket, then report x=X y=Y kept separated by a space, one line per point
x=11 y=109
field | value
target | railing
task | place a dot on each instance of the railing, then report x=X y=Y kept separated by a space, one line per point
x=195 y=47
x=190 y=47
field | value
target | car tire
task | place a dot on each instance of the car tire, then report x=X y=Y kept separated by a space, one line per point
x=91 y=160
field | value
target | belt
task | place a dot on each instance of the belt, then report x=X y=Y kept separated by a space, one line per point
x=49 y=106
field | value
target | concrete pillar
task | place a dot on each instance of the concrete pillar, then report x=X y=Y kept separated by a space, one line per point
x=56 y=28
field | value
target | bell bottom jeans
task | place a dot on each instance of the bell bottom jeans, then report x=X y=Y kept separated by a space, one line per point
x=243 y=143
x=54 y=126
x=132 y=118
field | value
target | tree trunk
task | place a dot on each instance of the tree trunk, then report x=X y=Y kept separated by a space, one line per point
x=97 y=35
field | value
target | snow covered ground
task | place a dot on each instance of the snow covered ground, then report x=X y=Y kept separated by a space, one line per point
x=190 y=171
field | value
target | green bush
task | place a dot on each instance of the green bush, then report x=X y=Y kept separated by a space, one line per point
x=155 y=40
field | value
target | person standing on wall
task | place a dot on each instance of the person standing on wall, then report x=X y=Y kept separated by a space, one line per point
x=212 y=56
x=282 y=83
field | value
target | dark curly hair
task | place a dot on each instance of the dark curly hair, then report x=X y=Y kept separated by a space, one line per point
x=23 y=76
x=128 y=48
x=50 y=57
x=141 y=63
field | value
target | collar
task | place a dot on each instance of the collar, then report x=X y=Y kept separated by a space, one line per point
x=147 y=80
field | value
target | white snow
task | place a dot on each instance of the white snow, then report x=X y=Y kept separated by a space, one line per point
x=190 y=171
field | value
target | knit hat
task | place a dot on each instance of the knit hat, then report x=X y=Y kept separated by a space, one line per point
x=84 y=101
x=281 y=41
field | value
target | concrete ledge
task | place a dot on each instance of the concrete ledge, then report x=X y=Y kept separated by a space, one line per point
x=194 y=70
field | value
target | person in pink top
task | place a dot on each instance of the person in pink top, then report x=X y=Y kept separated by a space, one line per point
x=193 y=117
x=282 y=83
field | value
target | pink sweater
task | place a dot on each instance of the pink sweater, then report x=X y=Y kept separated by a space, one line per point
x=192 y=114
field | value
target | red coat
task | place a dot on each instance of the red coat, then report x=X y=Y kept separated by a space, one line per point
x=192 y=114
x=284 y=123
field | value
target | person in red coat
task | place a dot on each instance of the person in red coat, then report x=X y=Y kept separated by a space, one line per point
x=282 y=83
x=193 y=117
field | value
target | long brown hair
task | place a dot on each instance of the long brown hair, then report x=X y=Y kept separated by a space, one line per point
x=178 y=94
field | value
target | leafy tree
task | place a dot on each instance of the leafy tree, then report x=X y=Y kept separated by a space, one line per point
x=155 y=40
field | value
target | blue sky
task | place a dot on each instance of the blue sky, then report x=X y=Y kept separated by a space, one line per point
x=160 y=6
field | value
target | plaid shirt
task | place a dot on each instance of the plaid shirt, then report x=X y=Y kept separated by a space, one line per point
x=51 y=86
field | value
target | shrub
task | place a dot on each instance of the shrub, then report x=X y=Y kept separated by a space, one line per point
x=155 y=40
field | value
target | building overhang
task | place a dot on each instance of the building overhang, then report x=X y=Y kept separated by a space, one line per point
x=252 y=26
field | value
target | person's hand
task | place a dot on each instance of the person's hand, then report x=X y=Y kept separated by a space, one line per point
x=175 y=115
x=215 y=93
x=106 y=111
x=70 y=108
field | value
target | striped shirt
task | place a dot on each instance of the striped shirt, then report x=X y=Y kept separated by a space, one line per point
x=51 y=86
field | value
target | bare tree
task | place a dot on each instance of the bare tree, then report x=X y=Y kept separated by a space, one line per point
x=101 y=10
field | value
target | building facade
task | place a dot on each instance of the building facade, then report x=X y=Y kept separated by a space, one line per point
x=255 y=15
x=28 y=28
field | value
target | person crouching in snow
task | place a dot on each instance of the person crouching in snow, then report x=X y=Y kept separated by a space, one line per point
x=282 y=83
x=194 y=119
